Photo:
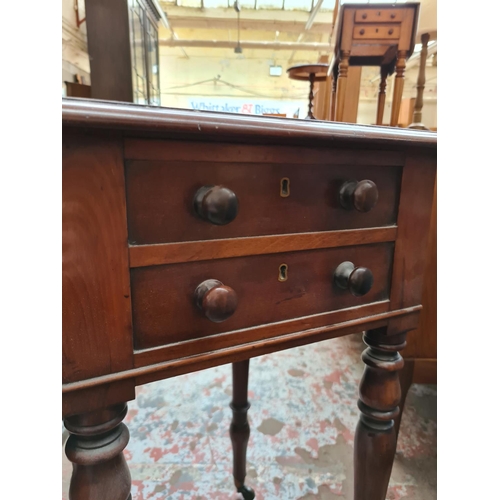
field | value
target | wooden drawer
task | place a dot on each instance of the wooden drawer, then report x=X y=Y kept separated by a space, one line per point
x=164 y=309
x=376 y=32
x=378 y=16
x=160 y=199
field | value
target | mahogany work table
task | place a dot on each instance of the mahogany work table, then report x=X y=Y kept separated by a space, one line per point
x=193 y=239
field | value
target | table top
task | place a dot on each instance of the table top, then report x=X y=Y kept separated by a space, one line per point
x=303 y=72
x=152 y=121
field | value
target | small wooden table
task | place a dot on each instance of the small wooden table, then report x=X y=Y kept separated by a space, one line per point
x=311 y=73
x=193 y=239
x=373 y=35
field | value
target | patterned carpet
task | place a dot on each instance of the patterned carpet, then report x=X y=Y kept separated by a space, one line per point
x=303 y=417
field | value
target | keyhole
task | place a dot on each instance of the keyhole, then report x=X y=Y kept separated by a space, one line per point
x=285 y=187
x=283 y=273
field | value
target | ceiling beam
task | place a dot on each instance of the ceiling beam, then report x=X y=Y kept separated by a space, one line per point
x=317 y=47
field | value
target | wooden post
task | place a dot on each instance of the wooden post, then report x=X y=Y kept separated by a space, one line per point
x=95 y=447
x=419 y=103
x=398 y=87
x=240 y=430
x=311 y=97
x=341 y=85
x=384 y=71
x=379 y=396
x=333 y=100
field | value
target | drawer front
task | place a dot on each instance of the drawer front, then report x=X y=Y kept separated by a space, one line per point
x=160 y=198
x=376 y=32
x=378 y=16
x=164 y=309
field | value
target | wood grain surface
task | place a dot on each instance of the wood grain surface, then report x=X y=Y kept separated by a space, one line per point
x=97 y=328
x=189 y=251
x=163 y=296
x=162 y=211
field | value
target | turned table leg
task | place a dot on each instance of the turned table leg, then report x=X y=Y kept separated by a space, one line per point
x=384 y=71
x=342 y=86
x=240 y=430
x=419 y=102
x=398 y=87
x=95 y=447
x=379 y=396
x=405 y=381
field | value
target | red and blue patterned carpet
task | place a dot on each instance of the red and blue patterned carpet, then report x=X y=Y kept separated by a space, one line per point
x=303 y=417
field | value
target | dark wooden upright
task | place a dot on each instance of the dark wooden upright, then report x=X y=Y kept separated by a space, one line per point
x=193 y=239
x=108 y=38
x=122 y=39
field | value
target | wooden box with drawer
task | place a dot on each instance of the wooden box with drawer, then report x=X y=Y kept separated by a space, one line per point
x=373 y=35
x=192 y=239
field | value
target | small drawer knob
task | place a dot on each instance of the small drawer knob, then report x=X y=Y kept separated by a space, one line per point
x=391 y=31
x=217 y=301
x=358 y=280
x=216 y=204
x=361 y=32
x=364 y=15
x=361 y=196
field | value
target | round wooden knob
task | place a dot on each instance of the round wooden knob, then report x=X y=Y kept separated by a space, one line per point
x=216 y=204
x=362 y=32
x=358 y=280
x=217 y=301
x=362 y=195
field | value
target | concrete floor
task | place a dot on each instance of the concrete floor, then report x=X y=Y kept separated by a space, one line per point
x=303 y=418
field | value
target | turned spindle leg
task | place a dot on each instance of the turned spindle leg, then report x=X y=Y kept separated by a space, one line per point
x=379 y=396
x=398 y=87
x=341 y=86
x=95 y=447
x=310 y=115
x=419 y=102
x=240 y=430
x=384 y=71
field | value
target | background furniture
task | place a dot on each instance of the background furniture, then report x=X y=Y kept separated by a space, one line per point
x=421 y=350
x=322 y=98
x=311 y=73
x=419 y=104
x=74 y=89
x=406 y=112
x=373 y=35
x=192 y=239
x=123 y=50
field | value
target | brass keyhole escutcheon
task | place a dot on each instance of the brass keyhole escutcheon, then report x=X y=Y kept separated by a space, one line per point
x=283 y=273
x=285 y=187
